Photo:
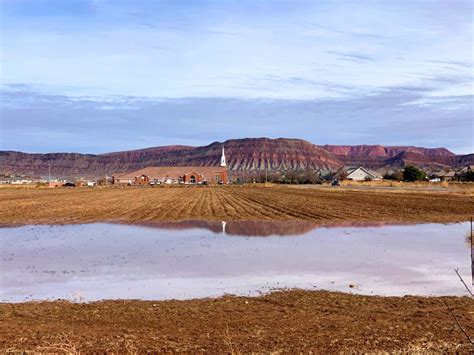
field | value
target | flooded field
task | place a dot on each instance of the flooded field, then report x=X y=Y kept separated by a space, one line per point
x=199 y=259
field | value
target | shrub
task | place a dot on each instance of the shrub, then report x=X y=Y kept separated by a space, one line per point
x=397 y=176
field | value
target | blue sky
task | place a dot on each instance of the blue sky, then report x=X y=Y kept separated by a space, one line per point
x=98 y=75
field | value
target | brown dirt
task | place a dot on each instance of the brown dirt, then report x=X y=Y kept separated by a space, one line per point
x=324 y=205
x=286 y=321
x=283 y=321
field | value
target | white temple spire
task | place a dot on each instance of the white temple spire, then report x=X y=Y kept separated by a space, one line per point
x=223 y=163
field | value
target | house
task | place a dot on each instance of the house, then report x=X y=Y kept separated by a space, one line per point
x=443 y=175
x=187 y=175
x=357 y=173
x=325 y=174
x=80 y=182
x=56 y=183
x=18 y=180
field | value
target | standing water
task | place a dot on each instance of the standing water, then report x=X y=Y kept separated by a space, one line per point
x=207 y=259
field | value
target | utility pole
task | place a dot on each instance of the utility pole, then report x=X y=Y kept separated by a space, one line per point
x=49 y=173
x=472 y=257
x=266 y=173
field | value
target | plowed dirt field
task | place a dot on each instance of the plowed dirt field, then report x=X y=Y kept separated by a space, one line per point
x=290 y=321
x=325 y=206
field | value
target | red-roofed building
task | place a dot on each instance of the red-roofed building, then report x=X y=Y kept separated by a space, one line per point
x=188 y=175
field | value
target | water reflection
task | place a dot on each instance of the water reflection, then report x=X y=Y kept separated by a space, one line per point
x=256 y=228
x=203 y=259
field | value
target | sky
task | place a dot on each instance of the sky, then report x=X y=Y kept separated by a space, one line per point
x=96 y=76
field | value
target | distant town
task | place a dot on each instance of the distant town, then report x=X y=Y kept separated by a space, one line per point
x=210 y=175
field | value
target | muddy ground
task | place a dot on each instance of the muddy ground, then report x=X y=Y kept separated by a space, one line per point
x=286 y=321
x=328 y=205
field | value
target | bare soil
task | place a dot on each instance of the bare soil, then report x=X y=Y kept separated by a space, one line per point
x=83 y=205
x=285 y=321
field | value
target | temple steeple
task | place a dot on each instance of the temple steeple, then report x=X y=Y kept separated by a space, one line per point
x=223 y=163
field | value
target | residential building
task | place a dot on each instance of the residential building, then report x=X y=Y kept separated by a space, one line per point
x=357 y=173
x=444 y=175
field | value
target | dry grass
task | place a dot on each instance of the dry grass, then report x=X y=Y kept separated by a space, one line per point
x=454 y=185
x=322 y=205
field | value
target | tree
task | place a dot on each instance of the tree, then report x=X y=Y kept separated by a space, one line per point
x=412 y=173
x=276 y=177
x=343 y=175
x=397 y=176
x=310 y=177
x=261 y=176
x=470 y=175
x=290 y=177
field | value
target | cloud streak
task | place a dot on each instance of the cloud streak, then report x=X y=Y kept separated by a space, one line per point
x=395 y=116
x=351 y=56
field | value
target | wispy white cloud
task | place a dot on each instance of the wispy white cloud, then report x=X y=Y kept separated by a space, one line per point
x=213 y=49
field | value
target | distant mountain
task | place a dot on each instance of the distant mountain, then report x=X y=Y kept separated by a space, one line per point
x=384 y=151
x=262 y=153
x=147 y=152
x=378 y=156
x=251 y=154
